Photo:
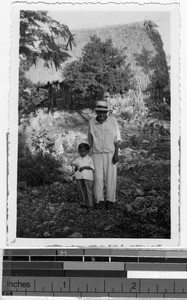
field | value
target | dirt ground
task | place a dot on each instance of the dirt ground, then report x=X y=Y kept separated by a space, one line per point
x=142 y=209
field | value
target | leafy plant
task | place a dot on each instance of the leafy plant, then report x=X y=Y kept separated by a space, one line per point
x=151 y=217
x=39 y=39
x=101 y=69
x=30 y=96
x=157 y=93
x=38 y=169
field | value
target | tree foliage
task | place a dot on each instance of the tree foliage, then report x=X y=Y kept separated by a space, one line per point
x=30 y=96
x=158 y=101
x=39 y=39
x=100 y=69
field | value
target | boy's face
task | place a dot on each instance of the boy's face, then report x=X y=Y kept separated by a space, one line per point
x=83 y=152
x=101 y=116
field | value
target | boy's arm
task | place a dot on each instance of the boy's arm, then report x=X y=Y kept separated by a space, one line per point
x=76 y=168
x=85 y=168
x=75 y=165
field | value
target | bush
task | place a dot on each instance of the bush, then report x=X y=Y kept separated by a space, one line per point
x=155 y=126
x=150 y=215
x=38 y=169
x=46 y=148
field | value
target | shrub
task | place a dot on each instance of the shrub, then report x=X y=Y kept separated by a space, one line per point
x=46 y=147
x=38 y=169
x=151 y=217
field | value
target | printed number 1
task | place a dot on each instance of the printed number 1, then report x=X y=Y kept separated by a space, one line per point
x=64 y=284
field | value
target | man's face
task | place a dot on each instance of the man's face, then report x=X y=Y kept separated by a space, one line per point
x=101 y=115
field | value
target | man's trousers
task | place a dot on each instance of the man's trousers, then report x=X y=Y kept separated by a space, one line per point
x=104 y=173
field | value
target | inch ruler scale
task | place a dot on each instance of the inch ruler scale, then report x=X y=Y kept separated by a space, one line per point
x=95 y=273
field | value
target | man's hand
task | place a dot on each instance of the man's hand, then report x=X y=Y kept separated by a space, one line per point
x=76 y=168
x=115 y=158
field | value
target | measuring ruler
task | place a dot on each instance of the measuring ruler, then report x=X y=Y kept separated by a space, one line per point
x=95 y=273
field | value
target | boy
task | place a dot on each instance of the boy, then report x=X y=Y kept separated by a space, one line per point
x=84 y=167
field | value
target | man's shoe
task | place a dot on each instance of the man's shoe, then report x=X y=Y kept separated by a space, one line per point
x=109 y=205
x=83 y=206
x=96 y=206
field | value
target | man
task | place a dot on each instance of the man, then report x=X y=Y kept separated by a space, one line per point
x=104 y=138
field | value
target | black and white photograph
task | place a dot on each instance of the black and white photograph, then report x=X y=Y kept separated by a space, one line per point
x=94 y=125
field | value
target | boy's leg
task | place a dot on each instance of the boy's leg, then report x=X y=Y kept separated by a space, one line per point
x=89 y=192
x=110 y=171
x=80 y=187
x=98 y=177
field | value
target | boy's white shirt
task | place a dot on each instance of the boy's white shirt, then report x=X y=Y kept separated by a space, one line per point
x=82 y=162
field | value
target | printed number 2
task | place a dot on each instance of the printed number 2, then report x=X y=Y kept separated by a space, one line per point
x=133 y=285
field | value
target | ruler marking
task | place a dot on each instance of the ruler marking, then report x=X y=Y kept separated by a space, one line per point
x=154 y=284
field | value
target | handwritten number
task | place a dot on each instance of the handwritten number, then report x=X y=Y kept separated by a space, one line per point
x=7 y=293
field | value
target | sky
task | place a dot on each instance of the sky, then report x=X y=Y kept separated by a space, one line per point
x=91 y=19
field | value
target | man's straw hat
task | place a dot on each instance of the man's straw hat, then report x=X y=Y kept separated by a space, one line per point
x=101 y=106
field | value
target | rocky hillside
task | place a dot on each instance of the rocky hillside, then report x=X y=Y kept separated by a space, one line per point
x=134 y=40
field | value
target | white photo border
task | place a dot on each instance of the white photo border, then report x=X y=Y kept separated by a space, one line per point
x=12 y=239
